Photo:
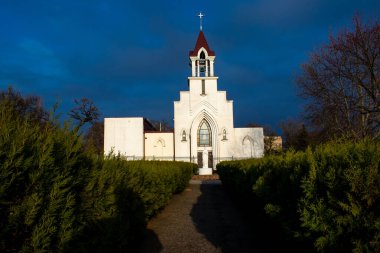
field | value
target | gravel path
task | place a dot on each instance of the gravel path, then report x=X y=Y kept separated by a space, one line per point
x=201 y=219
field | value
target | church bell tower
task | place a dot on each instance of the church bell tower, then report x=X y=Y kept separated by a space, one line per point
x=196 y=115
x=204 y=131
x=202 y=58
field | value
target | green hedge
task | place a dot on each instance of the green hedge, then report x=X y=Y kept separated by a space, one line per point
x=54 y=197
x=122 y=196
x=41 y=173
x=329 y=195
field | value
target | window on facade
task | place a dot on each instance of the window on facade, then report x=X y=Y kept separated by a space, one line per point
x=183 y=135
x=224 y=134
x=203 y=87
x=204 y=134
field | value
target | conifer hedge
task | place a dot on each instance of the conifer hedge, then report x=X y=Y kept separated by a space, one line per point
x=121 y=196
x=329 y=196
x=55 y=197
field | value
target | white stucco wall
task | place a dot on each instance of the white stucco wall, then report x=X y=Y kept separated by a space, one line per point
x=249 y=142
x=159 y=146
x=213 y=106
x=124 y=136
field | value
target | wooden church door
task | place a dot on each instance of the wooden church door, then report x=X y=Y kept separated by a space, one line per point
x=200 y=160
x=210 y=159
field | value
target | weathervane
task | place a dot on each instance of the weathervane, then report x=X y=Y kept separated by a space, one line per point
x=200 y=19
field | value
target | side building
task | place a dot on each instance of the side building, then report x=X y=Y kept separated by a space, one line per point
x=136 y=138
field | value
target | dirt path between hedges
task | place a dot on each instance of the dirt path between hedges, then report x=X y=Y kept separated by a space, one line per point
x=201 y=219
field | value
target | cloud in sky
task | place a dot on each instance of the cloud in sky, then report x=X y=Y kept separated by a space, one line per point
x=131 y=57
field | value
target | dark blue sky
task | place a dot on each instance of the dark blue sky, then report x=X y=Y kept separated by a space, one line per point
x=131 y=57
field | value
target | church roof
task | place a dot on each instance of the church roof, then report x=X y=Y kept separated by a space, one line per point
x=201 y=42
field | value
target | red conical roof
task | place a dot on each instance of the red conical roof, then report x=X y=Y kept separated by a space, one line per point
x=201 y=42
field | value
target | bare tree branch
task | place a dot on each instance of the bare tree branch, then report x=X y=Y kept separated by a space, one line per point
x=84 y=112
x=341 y=83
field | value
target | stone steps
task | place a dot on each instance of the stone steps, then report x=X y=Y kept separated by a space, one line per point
x=206 y=177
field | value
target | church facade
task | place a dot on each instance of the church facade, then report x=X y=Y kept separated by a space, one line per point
x=204 y=131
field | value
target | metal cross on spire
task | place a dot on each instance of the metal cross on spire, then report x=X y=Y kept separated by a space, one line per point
x=200 y=19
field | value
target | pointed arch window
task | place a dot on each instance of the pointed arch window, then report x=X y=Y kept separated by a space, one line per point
x=183 y=135
x=204 y=134
x=224 y=135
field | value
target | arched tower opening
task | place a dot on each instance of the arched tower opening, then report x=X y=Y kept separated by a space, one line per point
x=202 y=58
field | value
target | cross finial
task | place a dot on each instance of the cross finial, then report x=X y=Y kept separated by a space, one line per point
x=200 y=15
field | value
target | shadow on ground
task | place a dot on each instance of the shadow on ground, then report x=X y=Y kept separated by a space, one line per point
x=206 y=218
x=151 y=242
x=232 y=226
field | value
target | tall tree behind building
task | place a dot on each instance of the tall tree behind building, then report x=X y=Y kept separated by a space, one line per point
x=28 y=106
x=84 y=112
x=87 y=112
x=341 y=83
x=94 y=138
x=295 y=134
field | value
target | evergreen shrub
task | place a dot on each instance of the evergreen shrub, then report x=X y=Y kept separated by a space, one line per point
x=329 y=195
x=55 y=197
x=340 y=207
x=42 y=172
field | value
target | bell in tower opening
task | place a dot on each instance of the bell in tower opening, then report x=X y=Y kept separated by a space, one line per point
x=202 y=65
x=202 y=58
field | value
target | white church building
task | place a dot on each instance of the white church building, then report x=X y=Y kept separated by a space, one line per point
x=204 y=131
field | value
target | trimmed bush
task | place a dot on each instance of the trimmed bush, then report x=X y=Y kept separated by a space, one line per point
x=121 y=196
x=329 y=196
x=41 y=173
x=274 y=182
x=55 y=197
x=340 y=206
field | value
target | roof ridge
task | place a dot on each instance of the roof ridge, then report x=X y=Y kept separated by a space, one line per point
x=201 y=42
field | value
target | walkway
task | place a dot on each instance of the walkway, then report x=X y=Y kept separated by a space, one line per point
x=201 y=219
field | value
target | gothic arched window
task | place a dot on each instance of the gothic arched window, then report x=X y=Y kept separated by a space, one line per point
x=224 y=135
x=247 y=147
x=183 y=135
x=204 y=134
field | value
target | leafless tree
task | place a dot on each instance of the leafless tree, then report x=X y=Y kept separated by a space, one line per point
x=341 y=83
x=94 y=138
x=295 y=134
x=27 y=106
x=84 y=112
